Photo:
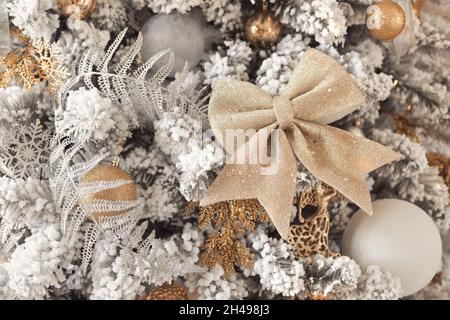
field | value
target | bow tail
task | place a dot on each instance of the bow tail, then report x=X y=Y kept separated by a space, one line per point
x=277 y=193
x=339 y=158
x=272 y=184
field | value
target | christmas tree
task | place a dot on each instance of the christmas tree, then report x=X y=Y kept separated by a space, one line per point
x=115 y=181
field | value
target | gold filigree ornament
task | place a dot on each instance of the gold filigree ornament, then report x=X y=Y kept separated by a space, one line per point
x=232 y=219
x=37 y=61
x=310 y=236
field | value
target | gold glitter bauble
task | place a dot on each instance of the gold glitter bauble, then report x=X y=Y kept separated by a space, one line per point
x=168 y=292
x=263 y=29
x=68 y=7
x=127 y=192
x=385 y=20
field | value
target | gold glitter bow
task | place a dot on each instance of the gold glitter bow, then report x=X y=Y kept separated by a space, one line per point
x=319 y=92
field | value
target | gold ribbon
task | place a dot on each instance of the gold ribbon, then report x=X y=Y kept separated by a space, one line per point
x=319 y=92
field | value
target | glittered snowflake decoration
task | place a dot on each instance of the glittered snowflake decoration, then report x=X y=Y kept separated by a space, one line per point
x=24 y=151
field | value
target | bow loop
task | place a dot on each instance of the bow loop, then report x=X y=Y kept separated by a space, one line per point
x=319 y=92
x=283 y=111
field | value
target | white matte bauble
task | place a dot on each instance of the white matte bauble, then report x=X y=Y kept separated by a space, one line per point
x=183 y=33
x=400 y=238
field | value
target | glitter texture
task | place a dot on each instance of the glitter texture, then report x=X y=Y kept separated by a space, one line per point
x=232 y=219
x=126 y=192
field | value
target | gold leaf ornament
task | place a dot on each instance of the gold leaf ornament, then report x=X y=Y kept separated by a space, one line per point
x=232 y=219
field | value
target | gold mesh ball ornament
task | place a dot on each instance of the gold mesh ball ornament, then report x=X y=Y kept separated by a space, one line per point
x=263 y=29
x=68 y=7
x=385 y=20
x=112 y=172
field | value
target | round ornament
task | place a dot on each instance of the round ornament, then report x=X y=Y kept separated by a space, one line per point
x=263 y=29
x=400 y=238
x=182 y=33
x=385 y=20
x=69 y=7
x=127 y=192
